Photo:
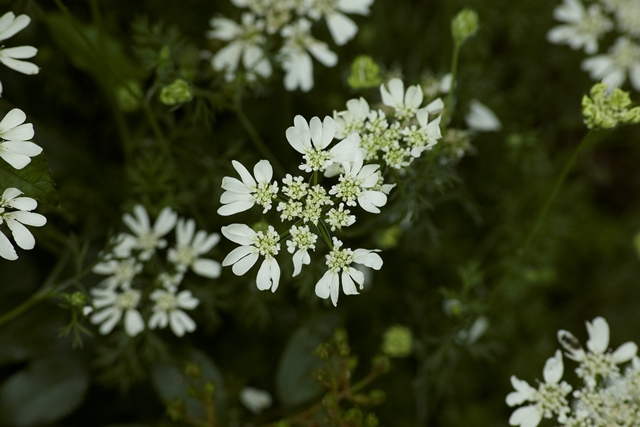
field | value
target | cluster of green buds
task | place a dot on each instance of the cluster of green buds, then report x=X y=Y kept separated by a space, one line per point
x=605 y=109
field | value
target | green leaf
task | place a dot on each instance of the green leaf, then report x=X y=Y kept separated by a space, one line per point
x=294 y=382
x=47 y=390
x=34 y=180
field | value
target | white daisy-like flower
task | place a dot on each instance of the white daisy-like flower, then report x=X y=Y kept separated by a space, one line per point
x=16 y=220
x=597 y=362
x=254 y=244
x=406 y=104
x=246 y=41
x=15 y=147
x=357 y=183
x=627 y=13
x=582 y=28
x=353 y=119
x=10 y=24
x=255 y=400
x=168 y=310
x=548 y=400
x=424 y=137
x=302 y=240
x=121 y=272
x=110 y=306
x=312 y=140
x=481 y=118
x=148 y=239
x=341 y=27
x=189 y=246
x=276 y=13
x=612 y=68
x=296 y=61
x=339 y=269
x=242 y=195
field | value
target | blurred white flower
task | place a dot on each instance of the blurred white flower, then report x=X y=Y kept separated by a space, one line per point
x=627 y=13
x=110 y=305
x=15 y=148
x=296 y=61
x=189 y=246
x=339 y=261
x=16 y=219
x=481 y=118
x=406 y=104
x=148 y=239
x=357 y=183
x=121 y=272
x=612 y=68
x=11 y=57
x=341 y=27
x=582 y=28
x=353 y=118
x=255 y=400
x=246 y=41
x=168 y=310
x=242 y=195
x=254 y=244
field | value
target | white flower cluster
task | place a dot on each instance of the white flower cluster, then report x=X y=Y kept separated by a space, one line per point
x=11 y=57
x=608 y=396
x=132 y=255
x=17 y=150
x=309 y=207
x=398 y=133
x=583 y=27
x=287 y=24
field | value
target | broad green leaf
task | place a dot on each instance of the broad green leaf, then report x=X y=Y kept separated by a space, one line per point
x=34 y=180
x=294 y=382
x=46 y=391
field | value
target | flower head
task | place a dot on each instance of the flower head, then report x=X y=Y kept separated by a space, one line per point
x=110 y=306
x=582 y=27
x=15 y=147
x=406 y=104
x=341 y=27
x=12 y=57
x=190 y=245
x=242 y=195
x=168 y=310
x=612 y=68
x=357 y=183
x=148 y=239
x=16 y=213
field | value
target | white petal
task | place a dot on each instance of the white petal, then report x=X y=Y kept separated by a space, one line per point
x=235 y=185
x=263 y=171
x=553 y=369
x=18 y=161
x=241 y=234
x=342 y=29
x=481 y=118
x=527 y=416
x=523 y=392
x=12 y=119
x=244 y=264
x=235 y=207
x=237 y=254
x=323 y=286
x=133 y=323
x=180 y=323
x=14 y=25
x=21 y=133
x=348 y=287
x=334 y=288
x=263 y=280
x=21 y=235
x=598 y=335
x=207 y=267
x=23 y=67
x=28 y=218
x=244 y=173
x=367 y=258
x=20 y=52
x=6 y=248
x=322 y=53
x=625 y=352
x=165 y=222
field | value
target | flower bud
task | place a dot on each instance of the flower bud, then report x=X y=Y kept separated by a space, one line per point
x=607 y=109
x=397 y=342
x=464 y=25
x=176 y=93
x=365 y=73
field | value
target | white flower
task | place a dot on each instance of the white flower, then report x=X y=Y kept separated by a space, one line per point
x=296 y=62
x=423 y=138
x=120 y=272
x=167 y=310
x=148 y=239
x=353 y=119
x=583 y=27
x=16 y=221
x=628 y=17
x=481 y=118
x=549 y=399
x=357 y=183
x=16 y=149
x=190 y=245
x=254 y=244
x=301 y=239
x=339 y=261
x=242 y=195
x=10 y=25
x=312 y=139
x=111 y=305
x=612 y=68
x=246 y=42
x=314 y=204
x=597 y=361
x=255 y=400
x=338 y=218
x=405 y=104
x=342 y=28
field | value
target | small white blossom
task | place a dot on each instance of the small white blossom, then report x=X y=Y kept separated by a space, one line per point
x=312 y=140
x=254 y=244
x=582 y=28
x=121 y=272
x=406 y=104
x=481 y=118
x=353 y=119
x=16 y=219
x=190 y=245
x=315 y=202
x=295 y=57
x=342 y=28
x=242 y=195
x=11 y=57
x=110 y=305
x=301 y=241
x=627 y=13
x=357 y=183
x=612 y=68
x=294 y=187
x=168 y=310
x=246 y=41
x=548 y=400
x=15 y=147
x=338 y=218
x=148 y=239
x=339 y=261
x=255 y=400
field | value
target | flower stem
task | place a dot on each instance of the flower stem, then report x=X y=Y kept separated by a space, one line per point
x=454 y=75
x=32 y=300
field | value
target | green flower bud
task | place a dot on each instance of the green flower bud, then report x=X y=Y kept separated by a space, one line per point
x=176 y=93
x=464 y=25
x=397 y=341
x=128 y=96
x=364 y=73
x=608 y=110
x=76 y=299
x=389 y=237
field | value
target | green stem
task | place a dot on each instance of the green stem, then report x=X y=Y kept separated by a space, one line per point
x=454 y=75
x=32 y=300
